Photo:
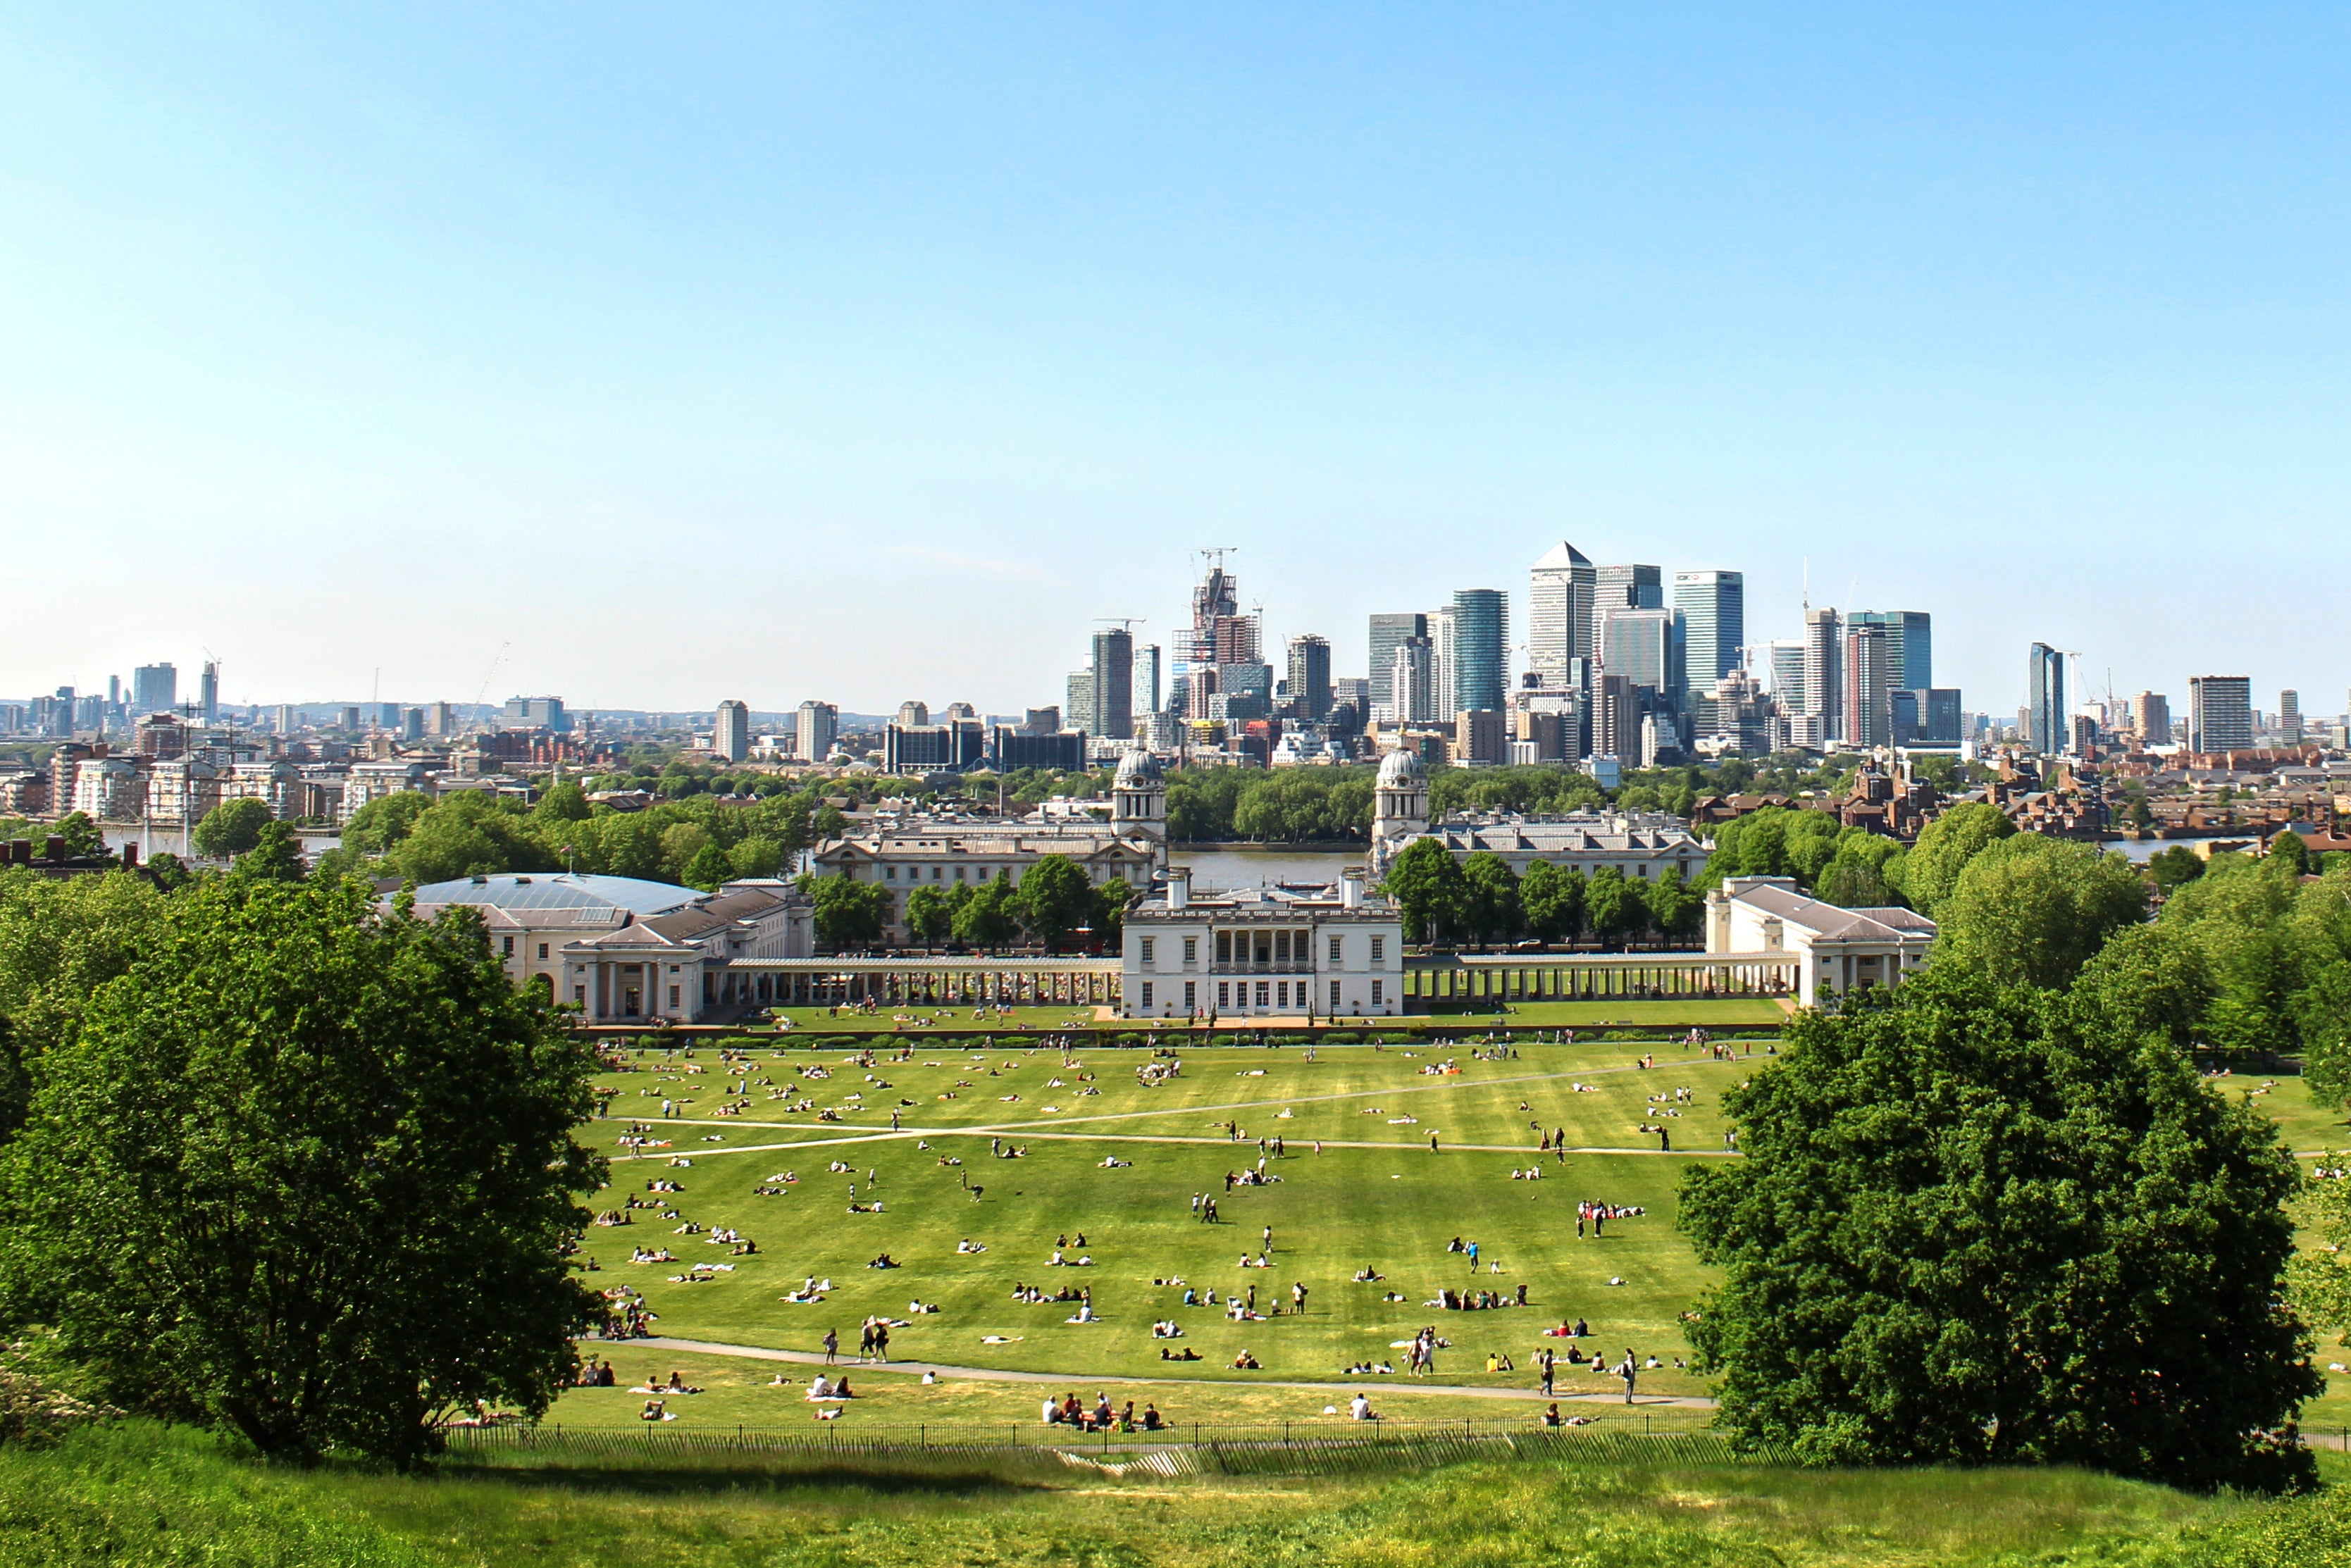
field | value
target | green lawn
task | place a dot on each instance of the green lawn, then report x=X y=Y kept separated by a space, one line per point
x=920 y=1021
x=138 y=1495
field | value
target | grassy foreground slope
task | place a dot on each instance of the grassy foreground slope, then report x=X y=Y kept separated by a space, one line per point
x=139 y=1496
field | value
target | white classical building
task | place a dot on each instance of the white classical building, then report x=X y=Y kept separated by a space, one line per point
x=942 y=849
x=1843 y=949
x=624 y=951
x=1263 y=952
x=1641 y=845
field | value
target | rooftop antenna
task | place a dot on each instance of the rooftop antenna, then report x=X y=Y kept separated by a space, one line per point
x=1808 y=584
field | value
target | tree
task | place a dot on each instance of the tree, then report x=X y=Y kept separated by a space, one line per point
x=930 y=912
x=1614 y=905
x=1675 y=908
x=2242 y=917
x=564 y=802
x=382 y=822
x=1945 y=846
x=2289 y=853
x=2031 y=909
x=229 y=829
x=1430 y=894
x=757 y=856
x=990 y=917
x=467 y=834
x=308 y=1172
x=1552 y=900
x=1110 y=901
x=1055 y=897
x=2320 y=1280
x=276 y=855
x=707 y=869
x=2175 y=867
x=60 y=942
x=1979 y=1226
x=1489 y=904
x=81 y=836
x=849 y=913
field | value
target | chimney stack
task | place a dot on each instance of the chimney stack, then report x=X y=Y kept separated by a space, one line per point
x=1179 y=886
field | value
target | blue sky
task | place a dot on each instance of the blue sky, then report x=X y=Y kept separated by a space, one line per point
x=868 y=353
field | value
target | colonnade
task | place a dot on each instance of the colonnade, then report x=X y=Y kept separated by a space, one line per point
x=1612 y=977
x=795 y=982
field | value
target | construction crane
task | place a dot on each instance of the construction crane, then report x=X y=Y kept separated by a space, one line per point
x=488 y=676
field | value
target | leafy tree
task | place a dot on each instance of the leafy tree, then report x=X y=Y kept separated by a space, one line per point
x=382 y=822
x=1776 y=840
x=849 y=913
x=2175 y=867
x=1614 y=905
x=2320 y=1281
x=1110 y=902
x=1552 y=900
x=930 y=914
x=680 y=843
x=1056 y=897
x=2322 y=927
x=707 y=869
x=468 y=834
x=60 y=942
x=1489 y=904
x=229 y=829
x=990 y=917
x=1931 y=870
x=169 y=870
x=276 y=855
x=1976 y=1226
x=1675 y=908
x=2241 y=916
x=2031 y=909
x=1429 y=890
x=2289 y=853
x=307 y=1173
x=757 y=856
x=81 y=836
x=563 y=801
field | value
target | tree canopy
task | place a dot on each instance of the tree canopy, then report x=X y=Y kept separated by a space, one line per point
x=2031 y=909
x=231 y=828
x=1978 y=1224
x=308 y=1172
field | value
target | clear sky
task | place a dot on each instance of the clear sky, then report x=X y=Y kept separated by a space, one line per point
x=871 y=352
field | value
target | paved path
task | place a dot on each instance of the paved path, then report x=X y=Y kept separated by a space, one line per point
x=1065 y=1379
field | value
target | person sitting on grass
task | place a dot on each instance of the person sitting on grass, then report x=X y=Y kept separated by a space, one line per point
x=1245 y=1361
x=1152 y=1420
x=677 y=1383
x=1550 y=1415
x=1360 y=1408
x=1186 y=1353
x=655 y=1410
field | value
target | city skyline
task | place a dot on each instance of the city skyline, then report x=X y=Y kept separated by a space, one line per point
x=344 y=352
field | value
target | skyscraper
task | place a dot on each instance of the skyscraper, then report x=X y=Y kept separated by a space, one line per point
x=1909 y=644
x=2288 y=724
x=2152 y=716
x=1630 y=588
x=1788 y=673
x=1113 y=672
x=1824 y=709
x=1309 y=676
x=2220 y=713
x=1411 y=681
x=1869 y=684
x=1559 y=604
x=730 y=735
x=154 y=688
x=208 y=699
x=1388 y=631
x=1078 y=694
x=1481 y=673
x=1441 y=628
x=1713 y=621
x=1147 y=679
x=2044 y=703
x=817 y=727
x=1645 y=646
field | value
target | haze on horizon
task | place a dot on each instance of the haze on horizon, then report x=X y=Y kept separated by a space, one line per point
x=873 y=353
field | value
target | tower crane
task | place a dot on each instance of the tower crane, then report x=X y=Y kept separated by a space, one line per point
x=488 y=676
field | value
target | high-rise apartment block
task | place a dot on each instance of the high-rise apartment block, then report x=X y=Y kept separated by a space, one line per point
x=2289 y=721
x=208 y=693
x=1309 y=676
x=1411 y=681
x=1077 y=700
x=1560 y=600
x=2045 y=731
x=1909 y=644
x=1822 y=713
x=1113 y=684
x=730 y=731
x=1627 y=587
x=1146 y=698
x=1713 y=621
x=1387 y=632
x=2220 y=713
x=2152 y=716
x=1787 y=673
x=1867 y=683
x=154 y=688
x=1480 y=618
x=816 y=727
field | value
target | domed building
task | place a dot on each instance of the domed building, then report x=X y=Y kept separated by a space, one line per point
x=1399 y=806
x=1641 y=845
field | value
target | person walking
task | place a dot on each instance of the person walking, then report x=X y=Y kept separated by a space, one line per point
x=832 y=1346
x=1665 y=1142
x=1473 y=1257
x=1297 y=1297
x=1432 y=1142
x=1628 y=1372
x=1543 y=1359
x=1269 y=1239
x=881 y=1342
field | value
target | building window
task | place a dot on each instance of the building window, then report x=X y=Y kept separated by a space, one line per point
x=1224 y=947
x=672 y=996
x=1334 y=996
x=580 y=995
x=1147 y=995
x=1191 y=996
x=1265 y=993
x=1281 y=952
x=1191 y=951
x=1284 y=994
x=1376 y=987
x=1146 y=951
x=509 y=947
x=958 y=876
x=890 y=874
x=1336 y=943
x=542 y=952
x=935 y=874
x=1224 y=993
x=1379 y=951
